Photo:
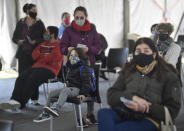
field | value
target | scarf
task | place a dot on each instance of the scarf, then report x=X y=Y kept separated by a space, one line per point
x=85 y=27
x=147 y=69
x=163 y=46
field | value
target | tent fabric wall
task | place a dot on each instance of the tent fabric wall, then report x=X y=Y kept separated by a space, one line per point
x=107 y=15
x=145 y=13
x=7 y=25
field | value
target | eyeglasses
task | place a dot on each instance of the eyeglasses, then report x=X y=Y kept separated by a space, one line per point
x=81 y=18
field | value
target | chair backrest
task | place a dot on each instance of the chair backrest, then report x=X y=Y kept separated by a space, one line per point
x=131 y=44
x=117 y=57
x=6 y=125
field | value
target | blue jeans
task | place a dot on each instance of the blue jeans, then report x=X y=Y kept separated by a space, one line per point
x=110 y=121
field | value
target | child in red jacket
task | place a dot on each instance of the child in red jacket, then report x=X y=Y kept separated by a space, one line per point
x=47 y=65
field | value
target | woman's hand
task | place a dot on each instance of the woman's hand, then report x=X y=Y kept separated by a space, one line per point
x=133 y=106
x=81 y=97
x=143 y=104
x=136 y=107
x=20 y=42
x=85 y=49
x=70 y=48
x=33 y=42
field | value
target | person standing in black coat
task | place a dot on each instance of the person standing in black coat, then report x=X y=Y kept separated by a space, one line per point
x=27 y=35
x=101 y=55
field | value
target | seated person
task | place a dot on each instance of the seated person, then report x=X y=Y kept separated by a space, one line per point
x=101 y=56
x=166 y=46
x=154 y=34
x=78 y=85
x=150 y=83
x=47 y=64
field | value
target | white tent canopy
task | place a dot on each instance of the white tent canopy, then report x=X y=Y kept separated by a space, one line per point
x=107 y=15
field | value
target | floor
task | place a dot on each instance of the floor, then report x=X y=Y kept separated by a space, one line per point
x=65 y=122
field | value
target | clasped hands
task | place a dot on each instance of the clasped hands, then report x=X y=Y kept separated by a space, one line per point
x=139 y=104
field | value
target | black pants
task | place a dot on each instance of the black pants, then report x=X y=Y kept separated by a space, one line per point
x=96 y=71
x=28 y=83
x=24 y=62
x=102 y=58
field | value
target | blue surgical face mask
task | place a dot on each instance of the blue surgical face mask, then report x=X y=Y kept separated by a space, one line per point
x=74 y=60
x=154 y=32
x=46 y=37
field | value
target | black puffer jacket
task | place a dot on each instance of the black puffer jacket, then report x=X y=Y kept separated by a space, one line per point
x=81 y=81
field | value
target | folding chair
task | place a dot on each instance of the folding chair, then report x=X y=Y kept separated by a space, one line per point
x=117 y=57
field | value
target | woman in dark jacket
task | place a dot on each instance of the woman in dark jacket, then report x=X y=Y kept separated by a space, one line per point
x=81 y=33
x=150 y=84
x=27 y=35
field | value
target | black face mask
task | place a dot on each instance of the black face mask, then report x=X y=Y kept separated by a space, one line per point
x=32 y=14
x=163 y=37
x=143 y=59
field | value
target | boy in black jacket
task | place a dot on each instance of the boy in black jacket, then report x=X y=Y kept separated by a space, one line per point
x=78 y=85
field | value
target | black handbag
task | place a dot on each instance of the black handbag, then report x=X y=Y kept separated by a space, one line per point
x=127 y=114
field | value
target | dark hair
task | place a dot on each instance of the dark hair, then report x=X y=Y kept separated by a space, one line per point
x=161 y=68
x=53 y=30
x=153 y=26
x=81 y=8
x=25 y=8
x=148 y=42
x=82 y=55
x=30 y=6
x=168 y=27
x=63 y=14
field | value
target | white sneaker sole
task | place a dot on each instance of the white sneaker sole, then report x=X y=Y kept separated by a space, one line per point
x=50 y=111
x=9 y=106
x=87 y=120
x=38 y=121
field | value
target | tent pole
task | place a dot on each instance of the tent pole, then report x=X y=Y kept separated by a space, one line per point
x=179 y=26
x=126 y=22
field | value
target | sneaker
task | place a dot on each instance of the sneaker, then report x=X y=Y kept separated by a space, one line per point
x=44 y=116
x=35 y=102
x=91 y=119
x=83 y=122
x=11 y=104
x=13 y=111
x=102 y=75
x=51 y=110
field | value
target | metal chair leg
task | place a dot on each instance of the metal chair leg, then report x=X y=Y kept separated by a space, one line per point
x=80 y=117
x=45 y=93
x=76 y=123
x=100 y=105
x=51 y=124
x=109 y=80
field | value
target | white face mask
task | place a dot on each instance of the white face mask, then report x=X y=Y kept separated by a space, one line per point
x=80 y=22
